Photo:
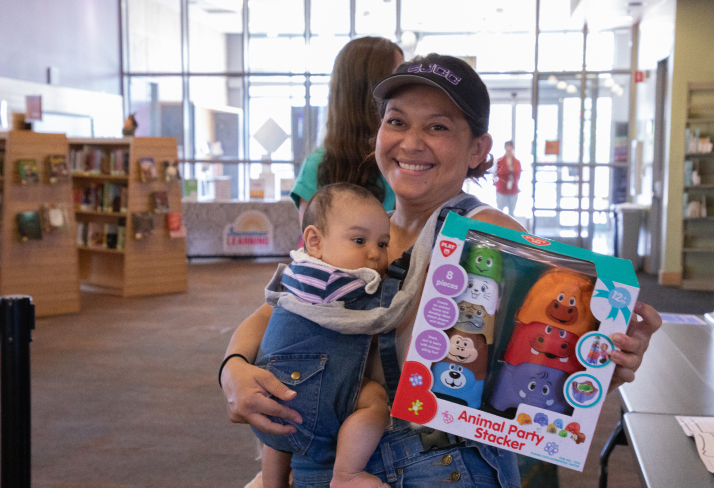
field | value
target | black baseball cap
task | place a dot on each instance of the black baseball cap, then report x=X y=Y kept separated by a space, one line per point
x=453 y=75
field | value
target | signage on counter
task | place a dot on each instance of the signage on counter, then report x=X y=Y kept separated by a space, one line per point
x=250 y=234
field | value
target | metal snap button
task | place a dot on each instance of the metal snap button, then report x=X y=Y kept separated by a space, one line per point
x=400 y=471
x=295 y=375
x=446 y=460
x=455 y=476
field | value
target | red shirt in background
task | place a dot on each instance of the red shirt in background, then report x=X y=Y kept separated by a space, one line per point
x=502 y=175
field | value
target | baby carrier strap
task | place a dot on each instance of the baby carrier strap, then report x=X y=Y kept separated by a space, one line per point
x=396 y=274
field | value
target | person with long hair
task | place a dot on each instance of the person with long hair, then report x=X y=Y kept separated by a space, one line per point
x=352 y=123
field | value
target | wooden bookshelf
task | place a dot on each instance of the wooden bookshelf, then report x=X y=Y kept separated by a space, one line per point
x=153 y=265
x=45 y=269
x=698 y=226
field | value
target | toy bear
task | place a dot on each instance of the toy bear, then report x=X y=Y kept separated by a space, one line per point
x=532 y=384
x=459 y=377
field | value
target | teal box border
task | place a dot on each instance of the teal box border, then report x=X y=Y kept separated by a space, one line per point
x=607 y=267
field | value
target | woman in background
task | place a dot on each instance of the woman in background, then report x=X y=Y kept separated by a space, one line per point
x=352 y=123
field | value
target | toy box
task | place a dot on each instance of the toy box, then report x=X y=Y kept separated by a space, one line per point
x=512 y=340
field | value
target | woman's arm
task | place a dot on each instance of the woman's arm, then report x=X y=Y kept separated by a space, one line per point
x=632 y=345
x=247 y=387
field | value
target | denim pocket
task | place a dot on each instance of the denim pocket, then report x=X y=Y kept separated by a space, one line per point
x=302 y=373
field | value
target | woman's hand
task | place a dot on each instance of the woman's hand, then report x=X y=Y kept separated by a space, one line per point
x=247 y=388
x=633 y=345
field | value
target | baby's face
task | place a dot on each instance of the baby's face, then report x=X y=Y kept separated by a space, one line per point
x=357 y=234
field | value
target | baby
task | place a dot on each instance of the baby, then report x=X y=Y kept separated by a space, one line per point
x=345 y=235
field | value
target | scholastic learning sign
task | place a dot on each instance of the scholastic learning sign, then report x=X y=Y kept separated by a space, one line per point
x=512 y=341
x=251 y=233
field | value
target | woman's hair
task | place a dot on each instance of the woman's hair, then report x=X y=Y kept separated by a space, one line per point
x=352 y=119
x=473 y=98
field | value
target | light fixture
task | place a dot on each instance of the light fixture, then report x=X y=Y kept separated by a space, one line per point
x=571 y=89
x=615 y=87
x=409 y=39
x=552 y=80
x=561 y=85
x=608 y=82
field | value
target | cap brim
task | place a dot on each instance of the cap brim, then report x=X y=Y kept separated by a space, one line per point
x=393 y=82
x=390 y=84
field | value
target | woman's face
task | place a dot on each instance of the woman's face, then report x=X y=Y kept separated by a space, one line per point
x=425 y=146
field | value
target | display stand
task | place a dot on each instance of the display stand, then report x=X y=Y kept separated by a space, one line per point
x=154 y=264
x=44 y=269
x=698 y=216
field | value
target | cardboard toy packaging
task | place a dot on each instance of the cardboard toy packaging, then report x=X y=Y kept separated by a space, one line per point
x=511 y=345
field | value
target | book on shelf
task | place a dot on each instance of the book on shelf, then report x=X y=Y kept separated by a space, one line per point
x=142 y=224
x=171 y=170
x=147 y=169
x=111 y=236
x=91 y=198
x=29 y=225
x=688 y=170
x=114 y=198
x=95 y=234
x=190 y=190
x=160 y=200
x=57 y=168
x=54 y=216
x=81 y=233
x=27 y=169
x=176 y=227
x=121 y=236
x=94 y=160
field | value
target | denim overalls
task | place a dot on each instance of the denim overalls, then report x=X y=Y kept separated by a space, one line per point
x=328 y=384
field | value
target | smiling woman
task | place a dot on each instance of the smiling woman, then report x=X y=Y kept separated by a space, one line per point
x=432 y=137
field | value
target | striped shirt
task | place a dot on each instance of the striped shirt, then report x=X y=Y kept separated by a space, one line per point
x=315 y=282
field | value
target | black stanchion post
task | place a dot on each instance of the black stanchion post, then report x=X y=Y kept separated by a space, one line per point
x=17 y=319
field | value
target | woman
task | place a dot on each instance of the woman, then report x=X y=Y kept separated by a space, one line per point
x=352 y=122
x=432 y=136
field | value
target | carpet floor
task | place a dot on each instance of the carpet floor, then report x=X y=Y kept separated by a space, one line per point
x=125 y=393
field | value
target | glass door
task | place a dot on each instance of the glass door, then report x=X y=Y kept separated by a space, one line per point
x=580 y=159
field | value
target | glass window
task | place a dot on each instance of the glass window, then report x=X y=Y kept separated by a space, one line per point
x=560 y=51
x=376 y=17
x=156 y=105
x=277 y=54
x=330 y=17
x=323 y=51
x=274 y=17
x=276 y=105
x=215 y=36
x=493 y=52
x=154 y=36
x=608 y=50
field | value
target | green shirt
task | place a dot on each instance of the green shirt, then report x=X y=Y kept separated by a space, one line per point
x=306 y=183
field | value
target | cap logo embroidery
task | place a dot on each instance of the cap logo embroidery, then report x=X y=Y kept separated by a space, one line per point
x=437 y=70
